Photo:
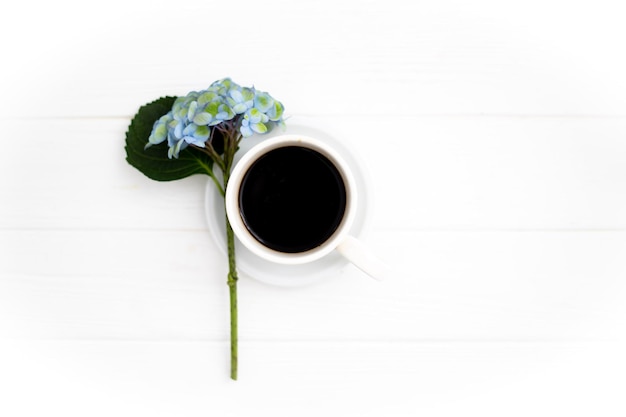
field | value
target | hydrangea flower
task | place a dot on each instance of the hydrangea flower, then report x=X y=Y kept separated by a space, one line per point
x=193 y=116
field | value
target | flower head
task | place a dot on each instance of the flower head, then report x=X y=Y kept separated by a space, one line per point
x=193 y=116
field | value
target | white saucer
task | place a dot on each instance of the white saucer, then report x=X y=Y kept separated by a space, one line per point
x=250 y=265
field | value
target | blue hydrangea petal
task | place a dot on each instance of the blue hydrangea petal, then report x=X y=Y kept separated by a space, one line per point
x=225 y=113
x=159 y=134
x=212 y=108
x=246 y=131
x=175 y=150
x=240 y=108
x=259 y=128
x=159 y=131
x=276 y=111
x=191 y=112
x=189 y=129
x=202 y=119
x=248 y=95
x=263 y=101
x=180 y=145
x=171 y=140
x=198 y=133
x=206 y=97
x=236 y=95
x=192 y=140
x=178 y=130
x=202 y=133
x=253 y=115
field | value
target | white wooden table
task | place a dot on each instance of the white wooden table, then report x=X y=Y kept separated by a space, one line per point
x=495 y=134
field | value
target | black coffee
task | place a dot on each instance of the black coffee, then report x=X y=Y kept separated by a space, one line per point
x=292 y=199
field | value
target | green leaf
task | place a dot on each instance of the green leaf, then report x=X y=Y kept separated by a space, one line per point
x=153 y=162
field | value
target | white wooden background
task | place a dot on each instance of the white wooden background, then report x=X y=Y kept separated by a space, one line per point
x=495 y=133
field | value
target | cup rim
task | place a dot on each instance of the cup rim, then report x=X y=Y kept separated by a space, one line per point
x=234 y=187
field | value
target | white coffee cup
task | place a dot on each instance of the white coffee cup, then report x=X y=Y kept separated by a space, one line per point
x=340 y=240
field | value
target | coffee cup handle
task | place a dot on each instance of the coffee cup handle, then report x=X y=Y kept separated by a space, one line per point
x=358 y=254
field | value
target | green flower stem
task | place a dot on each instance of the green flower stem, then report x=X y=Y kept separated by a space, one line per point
x=232 y=287
x=229 y=153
